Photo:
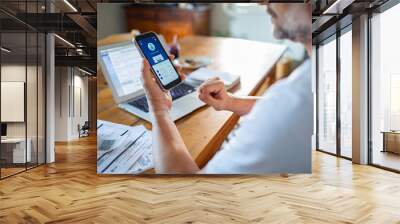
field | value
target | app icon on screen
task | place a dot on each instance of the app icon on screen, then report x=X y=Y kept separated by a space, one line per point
x=151 y=46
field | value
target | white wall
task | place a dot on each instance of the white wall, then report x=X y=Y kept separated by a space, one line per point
x=70 y=83
x=61 y=103
x=248 y=21
x=110 y=19
x=80 y=94
x=16 y=73
x=33 y=126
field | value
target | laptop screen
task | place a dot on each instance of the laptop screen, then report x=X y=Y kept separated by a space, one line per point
x=124 y=66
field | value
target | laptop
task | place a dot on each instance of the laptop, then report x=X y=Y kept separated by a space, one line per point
x=121 y=65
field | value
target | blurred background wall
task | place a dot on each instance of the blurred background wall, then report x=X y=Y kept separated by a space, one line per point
x=240 y=20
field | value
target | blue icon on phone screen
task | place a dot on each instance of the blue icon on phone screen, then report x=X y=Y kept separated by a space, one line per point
x=151 y=46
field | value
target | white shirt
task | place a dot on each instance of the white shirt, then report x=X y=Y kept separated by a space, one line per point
x=275 y=137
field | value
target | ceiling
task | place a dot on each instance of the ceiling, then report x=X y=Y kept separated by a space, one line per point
x=330 y=15
x=73 y=20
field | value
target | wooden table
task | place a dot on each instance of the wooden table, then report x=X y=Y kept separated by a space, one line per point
x=391 y=141
x=204 y=130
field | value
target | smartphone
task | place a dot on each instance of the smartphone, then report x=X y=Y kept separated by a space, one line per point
x=151 y=48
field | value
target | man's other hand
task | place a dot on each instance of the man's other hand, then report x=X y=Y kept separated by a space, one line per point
x=213 y=93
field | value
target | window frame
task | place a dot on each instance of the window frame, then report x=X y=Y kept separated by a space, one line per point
x=27 y=29
x=333 y=37
x=380 y=9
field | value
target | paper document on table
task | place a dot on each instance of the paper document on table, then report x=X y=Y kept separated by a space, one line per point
x=202 y=74
x=123 y=149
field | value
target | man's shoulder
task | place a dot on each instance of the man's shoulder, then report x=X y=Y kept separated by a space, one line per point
x=296 y=85
x=300 y=77
x=292 y=94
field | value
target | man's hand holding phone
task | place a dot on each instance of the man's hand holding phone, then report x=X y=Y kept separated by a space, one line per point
x=153 y=51
x=159 y=100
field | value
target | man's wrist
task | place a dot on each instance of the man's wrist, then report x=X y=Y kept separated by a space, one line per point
x=231 y=101
x=243 y=105
x=160 y=114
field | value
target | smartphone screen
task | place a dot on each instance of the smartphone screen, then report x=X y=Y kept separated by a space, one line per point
x=161 y=65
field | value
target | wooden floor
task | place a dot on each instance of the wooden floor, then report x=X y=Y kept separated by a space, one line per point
x=69 y=191
x=10 y=171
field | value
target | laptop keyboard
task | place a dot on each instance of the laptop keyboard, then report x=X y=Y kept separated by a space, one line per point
x=176 y=92
x=140 y=103
x=181 y=90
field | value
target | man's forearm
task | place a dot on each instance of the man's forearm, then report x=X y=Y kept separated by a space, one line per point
x=242 y=105
x=169 y=151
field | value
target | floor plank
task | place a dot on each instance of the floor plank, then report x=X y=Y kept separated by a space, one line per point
x=70 y=191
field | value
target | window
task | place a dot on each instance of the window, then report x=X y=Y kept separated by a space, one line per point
x=333 y=137
x=22 y=76
x=346 y=94
x=385 y=89
x=327 y=97
x=394 y=102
